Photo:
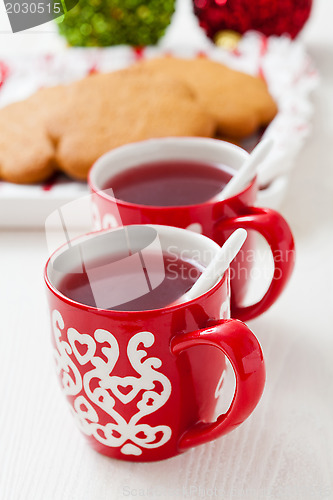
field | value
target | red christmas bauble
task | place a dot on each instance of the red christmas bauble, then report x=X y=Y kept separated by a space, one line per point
x=270 y=17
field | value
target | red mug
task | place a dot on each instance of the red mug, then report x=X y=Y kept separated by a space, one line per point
x=143 y=385
x=215 y=218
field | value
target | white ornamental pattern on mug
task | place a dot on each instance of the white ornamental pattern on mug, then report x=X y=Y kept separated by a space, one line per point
x=225 y=309
x=108 y=221
x=102 y=389
x=196 y=227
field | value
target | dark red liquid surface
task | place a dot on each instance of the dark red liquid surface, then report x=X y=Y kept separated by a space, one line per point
x=169 y=183
x=179 y=277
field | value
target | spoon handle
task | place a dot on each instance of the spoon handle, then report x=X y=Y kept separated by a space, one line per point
x=248 y=170
x=218 y=265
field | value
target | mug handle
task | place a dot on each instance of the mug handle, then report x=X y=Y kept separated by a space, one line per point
x=276 y=231
x=241 y=347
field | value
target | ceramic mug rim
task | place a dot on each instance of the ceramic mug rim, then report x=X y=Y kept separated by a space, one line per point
x=190 y=147
x=53 y=288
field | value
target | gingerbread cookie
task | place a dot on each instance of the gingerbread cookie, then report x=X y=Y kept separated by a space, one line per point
x=69 y=127
x=239 y=102
x=105 y=111
x=26 y=151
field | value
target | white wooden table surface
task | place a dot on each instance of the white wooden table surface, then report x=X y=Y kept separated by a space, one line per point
x=284 y=450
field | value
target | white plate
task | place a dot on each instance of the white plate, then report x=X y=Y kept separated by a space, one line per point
x=284 y=64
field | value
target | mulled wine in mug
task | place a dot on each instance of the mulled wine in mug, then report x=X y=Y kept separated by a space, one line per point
x=178 y=182
x=140 y=365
